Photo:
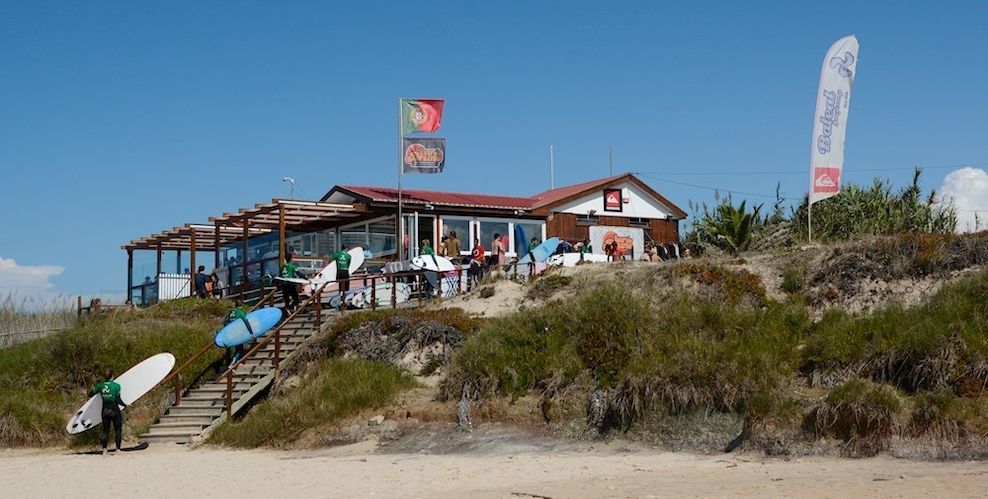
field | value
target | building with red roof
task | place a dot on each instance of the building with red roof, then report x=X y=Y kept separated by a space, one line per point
x=623 y=203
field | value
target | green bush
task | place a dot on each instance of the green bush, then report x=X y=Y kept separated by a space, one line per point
x=339 y=388
x=43 y=381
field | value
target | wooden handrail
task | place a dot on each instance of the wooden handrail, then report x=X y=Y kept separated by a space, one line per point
x=276 y=337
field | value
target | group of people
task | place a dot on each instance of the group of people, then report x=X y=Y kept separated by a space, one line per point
x=290 y=270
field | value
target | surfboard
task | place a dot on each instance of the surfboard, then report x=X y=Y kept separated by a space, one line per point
x=572 y=259
x=521 y=242
x=542 y=252
x=328 y=273
x=236 y=333
x=433 y=263
x=294 y=280
x=394 y=267
x=383 y=294
x=134 y=383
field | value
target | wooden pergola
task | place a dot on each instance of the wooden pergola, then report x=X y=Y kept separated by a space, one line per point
x=279 y=215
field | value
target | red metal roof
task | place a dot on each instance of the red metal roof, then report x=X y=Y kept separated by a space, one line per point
x=554 y=195
x=385 y=194
x=540 y=200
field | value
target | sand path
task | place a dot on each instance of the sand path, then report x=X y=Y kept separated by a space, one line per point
x=353 y=471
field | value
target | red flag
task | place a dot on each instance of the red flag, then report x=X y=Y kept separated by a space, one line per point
x=423 y=116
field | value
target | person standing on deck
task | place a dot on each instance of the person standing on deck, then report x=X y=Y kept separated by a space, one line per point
x=442 y=248
x=342 y=258
x=109 y=391
x=201 y=280
x=477 y=262
x=453 y=247
x=289 y=290
x=426 y=248
x=497 y=251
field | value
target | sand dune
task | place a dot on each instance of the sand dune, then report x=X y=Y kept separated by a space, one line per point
x=355 y=471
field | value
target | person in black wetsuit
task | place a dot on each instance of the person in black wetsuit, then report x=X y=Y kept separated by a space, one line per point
x=109 y=391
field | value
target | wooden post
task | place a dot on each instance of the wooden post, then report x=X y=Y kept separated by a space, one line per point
x=130 y=272
x=229 y=393
x=78 y=307
x=192 y=261
x=318 y=301
x=178 y=389
x=216 y=246
x=178 y=261
x=394 y=292
x=277 y=350
x=374 y=293
x=245 y=285
x=419 y=286
x=158 y=271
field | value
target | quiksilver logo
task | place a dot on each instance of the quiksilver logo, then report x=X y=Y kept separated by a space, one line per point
x=843 y=64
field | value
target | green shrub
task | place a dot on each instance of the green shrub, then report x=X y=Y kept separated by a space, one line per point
x=43 y=381
x=861 y=413
x=338 y=389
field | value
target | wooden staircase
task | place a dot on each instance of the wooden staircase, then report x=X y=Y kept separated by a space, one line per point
x=203 y=407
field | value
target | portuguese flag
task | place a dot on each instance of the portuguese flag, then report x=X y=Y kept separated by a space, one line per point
x=421 y=115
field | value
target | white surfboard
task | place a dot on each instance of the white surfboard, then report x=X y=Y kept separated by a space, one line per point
x=293 y=280
x=328 y=273
x=433 y=263
x=383 y=294
x=572 y=259
x=134 y=383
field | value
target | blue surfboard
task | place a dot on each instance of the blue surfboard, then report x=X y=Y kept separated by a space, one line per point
x=236 y=333
x=541 y=252
x=521 y=242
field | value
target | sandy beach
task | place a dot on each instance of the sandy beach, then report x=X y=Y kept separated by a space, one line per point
x=355 y=471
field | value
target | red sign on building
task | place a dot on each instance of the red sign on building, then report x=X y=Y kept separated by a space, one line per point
x=612 y=200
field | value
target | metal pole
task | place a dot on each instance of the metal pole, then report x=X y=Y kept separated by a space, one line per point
x=552 y=168
x=158 y=260
x=610 y=159
x=281 y=236
x=401 y=227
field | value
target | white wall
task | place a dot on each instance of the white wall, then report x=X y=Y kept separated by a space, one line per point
x=640 y=204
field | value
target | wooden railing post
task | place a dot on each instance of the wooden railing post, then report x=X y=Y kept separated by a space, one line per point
x=420 y=286
x=229 y=393
x=178 y=389
x=318 y=303
x=277 y=350
x=394 y=292
x=373 y=293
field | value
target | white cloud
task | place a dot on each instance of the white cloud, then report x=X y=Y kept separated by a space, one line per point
x=26 y=279
x=967 y=189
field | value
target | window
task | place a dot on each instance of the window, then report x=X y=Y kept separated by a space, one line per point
x=383 y=240
x=643 y=223
x=462 y=229
x=587 y=220
x=487 y=231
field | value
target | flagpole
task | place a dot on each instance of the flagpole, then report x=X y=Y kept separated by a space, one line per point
x=401 y=225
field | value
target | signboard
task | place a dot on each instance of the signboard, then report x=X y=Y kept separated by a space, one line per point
x=420 y=155
x=631 y=240
x=613 y=200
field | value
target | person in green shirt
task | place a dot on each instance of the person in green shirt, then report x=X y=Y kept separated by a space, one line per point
x=426 y=248
x=109 y=391
x=236 y=313
x=289 y=290
x=342 y=259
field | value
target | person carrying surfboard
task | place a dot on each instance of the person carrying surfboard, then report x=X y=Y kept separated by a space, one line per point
x=109 y=391
x=238 y=312
x=342 y=258
x=289 y=290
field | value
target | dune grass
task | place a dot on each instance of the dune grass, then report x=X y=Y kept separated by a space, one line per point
x=692 y=354
x=42 y=381
x=336 y=389
x=27 y=318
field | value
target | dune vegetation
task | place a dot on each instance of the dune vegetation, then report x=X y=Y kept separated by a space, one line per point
x=42 y=381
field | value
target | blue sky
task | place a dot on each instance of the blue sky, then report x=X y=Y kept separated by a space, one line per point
x=119 y=120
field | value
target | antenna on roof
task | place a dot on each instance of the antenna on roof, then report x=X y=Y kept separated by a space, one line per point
x=610 y=159
x=552 y=168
